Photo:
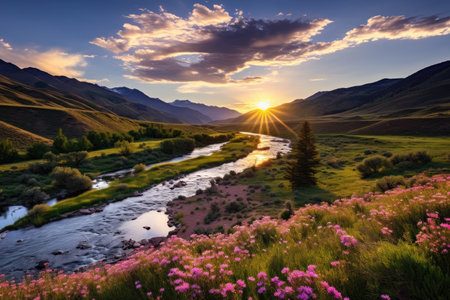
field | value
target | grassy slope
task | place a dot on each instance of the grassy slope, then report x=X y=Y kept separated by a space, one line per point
x=337 y=176
x=361 y=248
x=119 y=189
x=22 y=139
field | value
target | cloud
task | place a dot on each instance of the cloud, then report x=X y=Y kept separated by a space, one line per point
x=399 y=27
x=4 y=44
x=210 y=46
x=53 y=61
x=96 y=81
x=317 y=79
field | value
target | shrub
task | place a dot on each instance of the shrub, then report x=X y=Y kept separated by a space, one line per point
x=213 y=214
x=76 y=158
x=126 y=148
x=8 y=152
x=34 y=195
x=233 y=207
x=44 y=168
x=285 y=214
x=71 y=179
x=177 y=146
x=372 y=165
x=38 y=209
x=37 y=150
x=50 y=157
x=389 y=183
x=139 y=168
x=419 y=157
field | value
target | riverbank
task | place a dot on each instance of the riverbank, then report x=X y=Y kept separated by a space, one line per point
x=326 y=251
x=129 y=186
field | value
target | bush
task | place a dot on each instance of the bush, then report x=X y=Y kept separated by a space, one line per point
x=126 y=148
x=76 y=158
x=177 y=146
x=34 y=195
x=37 y=150
x=419 y=157
x=50 y=157
x=233 y=207
x=139 y=168
x=38 y=209
x=389 y=183
x=285 y=215
x=44 y=168
x=71 y=179
x=372 y=165
x=213 y=214
x=8 y=153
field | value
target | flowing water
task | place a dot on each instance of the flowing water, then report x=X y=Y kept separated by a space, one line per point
x=21 y=250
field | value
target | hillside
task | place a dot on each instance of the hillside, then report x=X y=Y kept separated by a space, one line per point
x=186 y=115
x=214 y=112
x=90 y=93
x=423 y=96
x=22 y=139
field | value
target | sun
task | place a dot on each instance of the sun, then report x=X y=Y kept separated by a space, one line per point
x=263 y=105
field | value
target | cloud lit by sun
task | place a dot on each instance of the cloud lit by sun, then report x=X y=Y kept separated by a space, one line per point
x=263 y=105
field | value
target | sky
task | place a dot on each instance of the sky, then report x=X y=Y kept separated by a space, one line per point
x=226 y=53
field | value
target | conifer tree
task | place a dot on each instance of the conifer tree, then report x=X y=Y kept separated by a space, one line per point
x=302 y=171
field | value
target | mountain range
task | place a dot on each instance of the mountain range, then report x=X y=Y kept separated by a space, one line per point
x=417 y=104
x=36 y=104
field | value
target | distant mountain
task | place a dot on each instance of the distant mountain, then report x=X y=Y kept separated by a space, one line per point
x=214 y=112
x=98 y=97
x=184 y=114
x=423 y=95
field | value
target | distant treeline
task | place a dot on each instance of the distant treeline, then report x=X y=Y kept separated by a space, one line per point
x=96 y=140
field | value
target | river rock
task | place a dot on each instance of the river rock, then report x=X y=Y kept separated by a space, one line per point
x=147 y=227
x=85 y=211
x=58 y=252
x=84 y=245
x=3 y=235
x=20 y=241
x=41 y=264
x=156 y=241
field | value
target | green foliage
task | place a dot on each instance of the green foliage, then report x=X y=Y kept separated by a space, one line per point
x=60 y=142
x=177 y=146
x=76 y=158
x=8 y=153
x=37 y=150
x=139 y=168
x=34 y=195
x=213 y=214
x=302 y=171
x=234 y=207
x=125 y=148
x=207 y=139
x=419 y=157
x=71 y=179
x=372 y=165
x=389 y=182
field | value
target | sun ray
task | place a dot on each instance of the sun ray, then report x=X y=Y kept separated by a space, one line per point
x=284 y=124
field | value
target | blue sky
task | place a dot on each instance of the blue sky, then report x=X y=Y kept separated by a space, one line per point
x=232 y=53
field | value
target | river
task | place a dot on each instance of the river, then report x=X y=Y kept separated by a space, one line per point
x=22 y=249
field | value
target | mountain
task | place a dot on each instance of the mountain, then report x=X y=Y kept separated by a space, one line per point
x=184 y=114
x=384 y=106
x=97 y=97
x=214 y=112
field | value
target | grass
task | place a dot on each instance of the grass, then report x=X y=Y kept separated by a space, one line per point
x=122 y=188
x=380 y=246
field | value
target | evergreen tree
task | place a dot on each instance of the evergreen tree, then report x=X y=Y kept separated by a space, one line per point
x=84 y=144
x=60 y=142
x=302 y=172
